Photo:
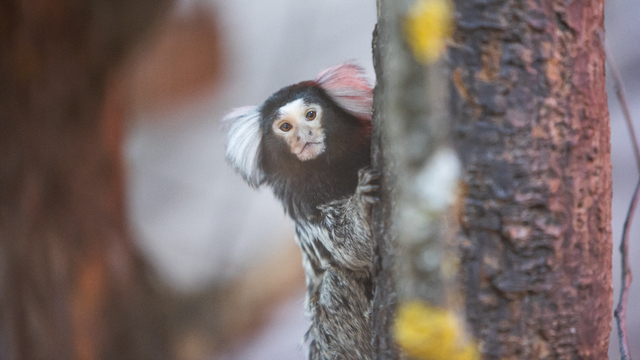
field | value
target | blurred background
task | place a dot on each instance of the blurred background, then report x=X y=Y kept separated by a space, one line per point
x=202 y=227
x=226 y=248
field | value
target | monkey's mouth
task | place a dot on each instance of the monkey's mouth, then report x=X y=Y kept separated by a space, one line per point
x=310 y=151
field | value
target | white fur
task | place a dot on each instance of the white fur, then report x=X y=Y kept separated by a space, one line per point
x=348 y=87
x=243 y=143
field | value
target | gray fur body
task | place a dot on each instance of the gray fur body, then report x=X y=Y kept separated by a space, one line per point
x=337 y=259
x=328 y=194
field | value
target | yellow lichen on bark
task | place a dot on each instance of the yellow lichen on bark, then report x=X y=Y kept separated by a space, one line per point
x=426 y=332
x=427 y=27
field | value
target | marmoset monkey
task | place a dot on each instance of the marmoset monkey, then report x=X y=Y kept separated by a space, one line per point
x=310 y=142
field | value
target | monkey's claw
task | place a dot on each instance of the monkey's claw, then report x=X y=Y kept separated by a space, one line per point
x=368 y=185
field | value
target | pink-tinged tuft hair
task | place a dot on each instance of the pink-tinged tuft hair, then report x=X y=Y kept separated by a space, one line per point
x=243 y=143
x=348 y=87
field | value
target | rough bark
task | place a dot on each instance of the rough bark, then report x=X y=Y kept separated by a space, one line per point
x=71 y=284
x=532 y=129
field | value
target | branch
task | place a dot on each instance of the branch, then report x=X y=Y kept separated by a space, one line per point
x=622 y=97
x=621 y=310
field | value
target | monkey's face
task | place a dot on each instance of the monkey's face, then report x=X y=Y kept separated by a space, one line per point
x=325 y=123
x=299 y=125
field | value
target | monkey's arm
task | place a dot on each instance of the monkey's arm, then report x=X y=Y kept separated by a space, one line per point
x=349 y=226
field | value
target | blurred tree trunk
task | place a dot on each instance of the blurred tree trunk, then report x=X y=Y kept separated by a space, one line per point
x=385 y=298
x=413 y=224
x=71 y=283
x=532 y=129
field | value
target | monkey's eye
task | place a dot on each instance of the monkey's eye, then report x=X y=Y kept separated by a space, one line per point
x=286 y=127
x=311 y=114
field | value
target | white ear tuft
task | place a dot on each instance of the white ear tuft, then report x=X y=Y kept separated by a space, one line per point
x=348 y=87
x=243 y=143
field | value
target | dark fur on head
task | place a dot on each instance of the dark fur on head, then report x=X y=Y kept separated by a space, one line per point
x=260 y=157
x=304 y=185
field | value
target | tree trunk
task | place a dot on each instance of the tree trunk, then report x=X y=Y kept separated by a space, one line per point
x=532 y=129
x=71 y=283
x=385 y=298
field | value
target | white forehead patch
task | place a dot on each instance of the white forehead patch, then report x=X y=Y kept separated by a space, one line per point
x=294 y=109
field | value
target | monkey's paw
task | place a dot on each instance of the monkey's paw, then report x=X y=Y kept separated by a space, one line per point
x=368 y=190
